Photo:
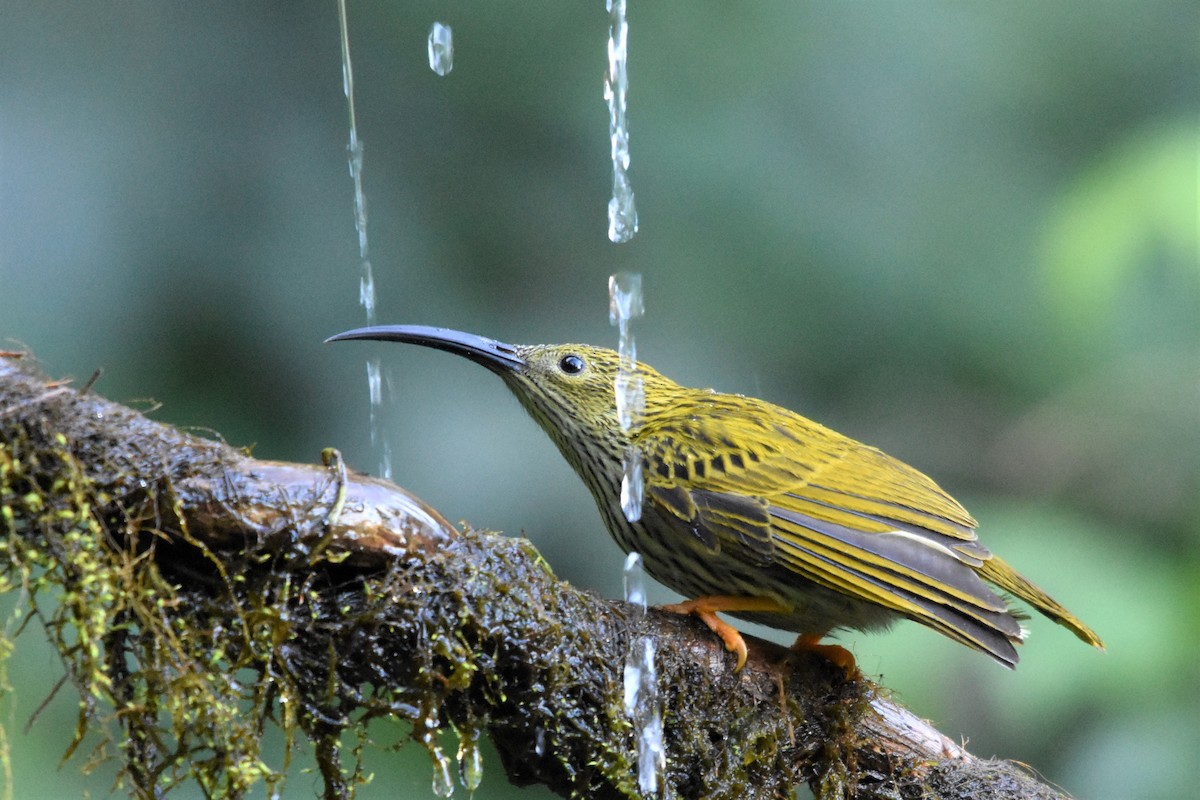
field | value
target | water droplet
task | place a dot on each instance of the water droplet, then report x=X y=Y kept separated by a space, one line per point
x=470 y=759
x=635 y=580
x=539 y=742
x=441 y=49
x=443 y=779
x=622 y=212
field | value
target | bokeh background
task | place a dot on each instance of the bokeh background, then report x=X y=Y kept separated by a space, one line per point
x=966 y=233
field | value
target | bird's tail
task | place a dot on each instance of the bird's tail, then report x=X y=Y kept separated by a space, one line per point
x=997 y=571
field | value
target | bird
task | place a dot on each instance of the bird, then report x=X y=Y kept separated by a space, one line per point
x=753 y=510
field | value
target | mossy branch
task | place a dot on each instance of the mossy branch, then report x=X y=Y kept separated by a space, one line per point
x=198 y=596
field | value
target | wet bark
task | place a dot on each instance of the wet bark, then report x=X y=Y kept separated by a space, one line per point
x=351 y=599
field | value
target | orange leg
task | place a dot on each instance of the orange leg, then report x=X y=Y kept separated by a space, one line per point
x=706 y=607
x=839 y=656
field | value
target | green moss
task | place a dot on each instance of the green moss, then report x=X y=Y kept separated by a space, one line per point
x=139 y=663
x=192 y=653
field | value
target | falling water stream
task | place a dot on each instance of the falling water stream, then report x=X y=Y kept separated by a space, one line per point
x=622 y=213
x=366 y=289
x=642 y=703
x=624 y=305
x=379 y=385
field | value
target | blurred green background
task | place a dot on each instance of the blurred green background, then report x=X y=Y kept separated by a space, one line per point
x=963 y=232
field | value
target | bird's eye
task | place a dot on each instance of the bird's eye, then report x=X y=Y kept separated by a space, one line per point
x=572 y=364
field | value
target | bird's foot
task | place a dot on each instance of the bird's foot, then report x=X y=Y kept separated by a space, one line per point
x=835 y=654
x=706 y=609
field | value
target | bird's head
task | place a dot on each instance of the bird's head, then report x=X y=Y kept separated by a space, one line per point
x=567 y=388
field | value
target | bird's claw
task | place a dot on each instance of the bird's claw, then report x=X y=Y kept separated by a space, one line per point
x=706 y=608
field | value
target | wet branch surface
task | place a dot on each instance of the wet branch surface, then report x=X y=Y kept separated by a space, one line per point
x=199 y=596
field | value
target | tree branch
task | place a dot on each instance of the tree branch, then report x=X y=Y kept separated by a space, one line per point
x=180 y=563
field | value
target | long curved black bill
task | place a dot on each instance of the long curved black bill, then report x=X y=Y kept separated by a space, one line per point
x=496 y=356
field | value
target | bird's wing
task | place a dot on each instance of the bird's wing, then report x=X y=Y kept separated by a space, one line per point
x=727 y=443
x=721 y=522
x=769 y=486
x=906 y=571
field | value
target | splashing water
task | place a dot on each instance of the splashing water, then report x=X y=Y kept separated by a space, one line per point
x=625 y=304
x=622 y=213
x=652 y=757
x=366 y=283
x=635 y=581
x=644 y=710
x=441 y=49
x=640 y=681
x=634 y=677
